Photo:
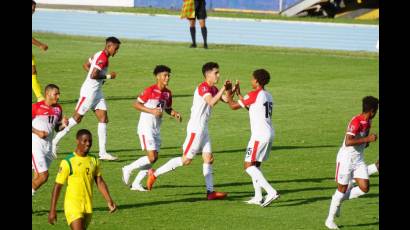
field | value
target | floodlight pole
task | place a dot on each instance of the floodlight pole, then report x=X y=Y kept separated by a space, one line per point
x=280 y=5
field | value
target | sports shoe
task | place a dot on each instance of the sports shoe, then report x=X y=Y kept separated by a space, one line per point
x=192 y=46
x=125 y=175
x=205 y=46
x=138 y=188
x=151 y=178
x=330 y=224
x=216 y=195
x=108 y=157
x=269 y=198
x=254 y=200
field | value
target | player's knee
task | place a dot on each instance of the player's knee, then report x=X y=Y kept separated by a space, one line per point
x=152 y=159
x=186 y=161
x=43 y=177
x=365 y=188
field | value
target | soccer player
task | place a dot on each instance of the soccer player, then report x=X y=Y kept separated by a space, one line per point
x=206 y=96
x=79 y=170
x=34 y=82
x=46 y=115
x=350 y=159
x=151 y=102
x=92 y=97
x=259 y=103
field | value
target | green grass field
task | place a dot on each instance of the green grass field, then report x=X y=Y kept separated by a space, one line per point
x=315 y=92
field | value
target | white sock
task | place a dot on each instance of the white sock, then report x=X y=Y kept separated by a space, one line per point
x=207 y=171
x=257 y=175
x=62 y=133
x=372 y=169
x=102 y=137
x=141 y=162
x=33 y=191
x=169 y=166
x=356 y=192
x=334 y=204
x=141 y=175
x=258 y=190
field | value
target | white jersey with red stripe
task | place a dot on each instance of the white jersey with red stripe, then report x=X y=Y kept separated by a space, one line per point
x=260 y=106
x=45 y=117
x=200 y=110
x=99 y=61
x=153 y=97
x=358 y=127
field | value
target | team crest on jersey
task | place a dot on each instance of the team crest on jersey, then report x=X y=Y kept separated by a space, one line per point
x=165 y=95
x=204 y=88
x=100 y=62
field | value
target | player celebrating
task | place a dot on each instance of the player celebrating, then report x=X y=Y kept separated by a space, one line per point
x=350 y=159
x=151 y=103
x=79 y=170
x=46 y=115
x=34 y=82
x=206 y=96
x=92 y=97
x=259 y=103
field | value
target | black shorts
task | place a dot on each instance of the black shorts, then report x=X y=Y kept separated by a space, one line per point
x=200 y=9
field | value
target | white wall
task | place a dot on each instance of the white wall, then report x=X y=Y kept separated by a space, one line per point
x=90 y=2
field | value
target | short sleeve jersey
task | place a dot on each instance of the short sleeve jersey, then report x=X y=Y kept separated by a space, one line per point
x=79 y=173
x=45 y=117
x=98 y=61
x=200 y=110
x=260 y=106
x=358 y=127
x=153 y=97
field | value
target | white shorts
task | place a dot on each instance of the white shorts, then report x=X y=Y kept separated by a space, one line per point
x=350 y=165
x=92 y=101
x=258 y=150
x=149 y=141
x=40 y=154
x=196 y=142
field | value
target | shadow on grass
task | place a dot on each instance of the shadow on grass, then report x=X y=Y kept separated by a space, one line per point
x=359 y=225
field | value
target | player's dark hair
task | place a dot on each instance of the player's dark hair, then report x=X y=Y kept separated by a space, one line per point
x=50 y=87
x=370 y=103
x=33 y=2
x=83 y=132
x=209 y=66
x=161 y=68
x=112 y=40
x=262 y=76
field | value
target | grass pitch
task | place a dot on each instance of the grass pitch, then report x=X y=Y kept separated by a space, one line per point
x=315 y=95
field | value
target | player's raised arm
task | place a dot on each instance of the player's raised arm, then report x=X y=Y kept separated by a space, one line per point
x=174 y=114
x=211 y=101
x=52 y=215
x=103 y=188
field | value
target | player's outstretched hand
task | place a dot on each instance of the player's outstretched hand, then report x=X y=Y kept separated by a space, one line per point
x=236 y=88
x=52 y=217
x=44 y=47
x=64 y=121
x=178 y=116
x=113 y=75
x=112 y=207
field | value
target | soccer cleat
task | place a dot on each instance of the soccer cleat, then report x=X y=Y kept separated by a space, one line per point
x=269 y=198
x=216 y=195
x=138 y=188
x=151 y=178
x=107 y=156
x=330 y=224
x=205 y=46
x=192 y=46
x=254 y=200
x=125 y=175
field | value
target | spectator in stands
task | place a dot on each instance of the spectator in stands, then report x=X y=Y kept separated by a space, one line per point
x=192 y=10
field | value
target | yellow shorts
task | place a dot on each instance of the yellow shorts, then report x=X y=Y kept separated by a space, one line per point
x=74 y=212
x=33 y=61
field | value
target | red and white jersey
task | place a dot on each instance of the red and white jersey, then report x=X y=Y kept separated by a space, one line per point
x=200 y=110
x=260 y=106
x=153 y=97
x=45 y=118
x=358 y=127
x=99 y=61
